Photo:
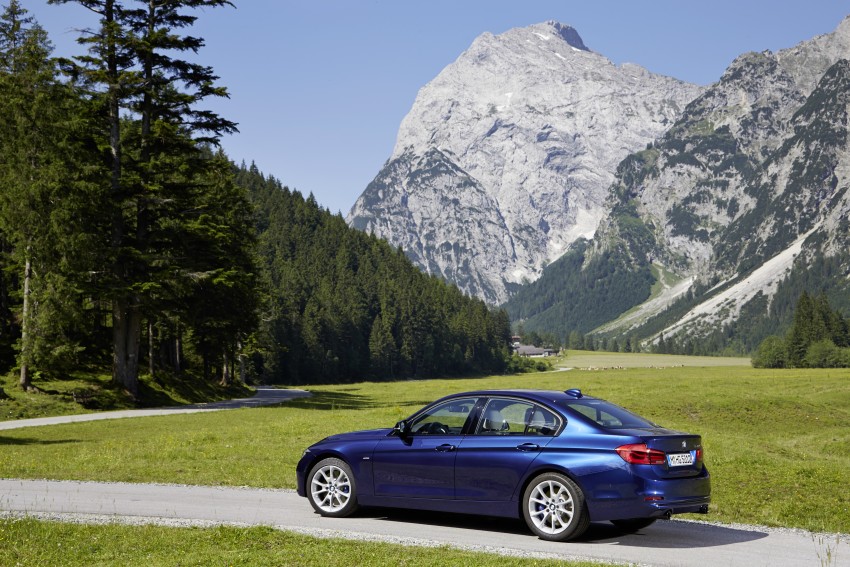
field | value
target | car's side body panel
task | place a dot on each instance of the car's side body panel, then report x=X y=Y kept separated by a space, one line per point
x=481 y=469
x=491 y=468
x=423 y=467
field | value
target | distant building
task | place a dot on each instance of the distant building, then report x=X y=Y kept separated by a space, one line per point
x=533 y=351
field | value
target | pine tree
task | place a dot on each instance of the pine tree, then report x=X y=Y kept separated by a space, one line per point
x=802 y=332
x=41 y=202
x=132 y=70
x=382 y=349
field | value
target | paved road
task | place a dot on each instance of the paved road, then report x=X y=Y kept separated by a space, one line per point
x=667 y=543
x=263 y=397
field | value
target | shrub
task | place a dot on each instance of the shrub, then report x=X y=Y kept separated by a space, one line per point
x=771 y=353
x=824 y=354
x=520 y=364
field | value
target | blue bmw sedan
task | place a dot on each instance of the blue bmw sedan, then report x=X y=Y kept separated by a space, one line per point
x=559 y=460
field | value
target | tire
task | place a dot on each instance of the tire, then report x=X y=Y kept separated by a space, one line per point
x=331 y=488
x=633 y=524
x=554 y=509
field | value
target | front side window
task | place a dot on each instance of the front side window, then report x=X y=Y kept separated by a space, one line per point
x=447 y=418
x=516 y=417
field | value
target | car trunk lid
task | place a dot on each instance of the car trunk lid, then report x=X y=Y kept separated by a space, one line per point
x=683 y=453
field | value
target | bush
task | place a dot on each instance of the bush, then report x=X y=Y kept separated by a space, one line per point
x=771 y=353
x=824 y=354
x=520 y=364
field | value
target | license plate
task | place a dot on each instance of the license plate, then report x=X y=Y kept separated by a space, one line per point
x=680 y=459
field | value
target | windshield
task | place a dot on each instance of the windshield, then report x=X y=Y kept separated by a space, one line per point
x=608 y=415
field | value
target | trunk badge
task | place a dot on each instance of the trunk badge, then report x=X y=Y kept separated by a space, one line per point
x=684 y=444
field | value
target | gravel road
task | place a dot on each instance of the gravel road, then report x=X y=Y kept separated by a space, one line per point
x=667 y=543
x=263 y=397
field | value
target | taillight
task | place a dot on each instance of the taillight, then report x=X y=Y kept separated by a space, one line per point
x=699 y=455
x=640 y=454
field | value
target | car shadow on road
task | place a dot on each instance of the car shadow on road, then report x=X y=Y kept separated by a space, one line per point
x=672 y=534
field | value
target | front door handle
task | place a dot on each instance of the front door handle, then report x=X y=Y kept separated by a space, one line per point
x=446 y=448
x=528 y=447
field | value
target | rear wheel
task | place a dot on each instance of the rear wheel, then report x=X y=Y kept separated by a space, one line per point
x=633 y=524
x=331 y=488
x=553 y=507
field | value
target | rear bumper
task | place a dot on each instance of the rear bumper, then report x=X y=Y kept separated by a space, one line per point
x=667 y=509
x=654 y=498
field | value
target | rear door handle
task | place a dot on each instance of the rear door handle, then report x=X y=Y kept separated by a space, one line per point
x=445 y=448
x=528 y=447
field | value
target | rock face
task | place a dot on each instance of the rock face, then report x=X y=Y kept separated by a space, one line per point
x=507 y=156
x=743 y=194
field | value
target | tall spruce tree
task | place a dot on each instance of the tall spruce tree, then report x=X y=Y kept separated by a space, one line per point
x=40 y=199
x=148 y=97
x=802 y=332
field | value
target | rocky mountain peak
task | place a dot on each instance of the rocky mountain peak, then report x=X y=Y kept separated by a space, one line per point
x=533 y=124
x=562 y=31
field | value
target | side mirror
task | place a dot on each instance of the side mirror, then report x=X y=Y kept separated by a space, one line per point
x=402 y=429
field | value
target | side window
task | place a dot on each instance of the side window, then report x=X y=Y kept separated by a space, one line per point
x=542 y=422
x=445 y=419
x=515 y=417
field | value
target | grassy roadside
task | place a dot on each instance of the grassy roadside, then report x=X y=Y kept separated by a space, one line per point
x=83 y=392
x=777 y=442
x=29 y=542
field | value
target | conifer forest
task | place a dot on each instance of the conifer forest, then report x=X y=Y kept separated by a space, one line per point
x=131 y=244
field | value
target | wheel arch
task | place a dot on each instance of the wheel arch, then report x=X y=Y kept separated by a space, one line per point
x=318 y=458
x=549 y=468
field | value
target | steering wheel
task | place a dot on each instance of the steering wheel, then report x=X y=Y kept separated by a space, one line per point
x=436 y=428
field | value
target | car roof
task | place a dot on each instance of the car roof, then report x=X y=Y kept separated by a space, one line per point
x=529 y=394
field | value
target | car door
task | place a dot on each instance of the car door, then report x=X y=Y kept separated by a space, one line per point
x=510 y=434
x=421 y=465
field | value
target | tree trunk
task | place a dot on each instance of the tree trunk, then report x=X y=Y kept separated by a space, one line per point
x=126 y=319
x=241 y=355
x=26 y=350
x=178 y=349
x=206 y=358
x=150 y=349
x=225 y=368
x=126 y=337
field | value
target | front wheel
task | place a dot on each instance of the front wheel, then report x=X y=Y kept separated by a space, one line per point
x=553 y=507
x=331 y=488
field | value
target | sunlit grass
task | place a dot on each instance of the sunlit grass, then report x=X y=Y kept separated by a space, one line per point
x=776 y=441
x=85 y=392
x=29 y=542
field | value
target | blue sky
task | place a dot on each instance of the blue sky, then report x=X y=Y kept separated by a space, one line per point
x=319 y=87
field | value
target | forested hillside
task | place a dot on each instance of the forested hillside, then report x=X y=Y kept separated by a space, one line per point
x=124 y=241
x=342 y=305
x=130 y=244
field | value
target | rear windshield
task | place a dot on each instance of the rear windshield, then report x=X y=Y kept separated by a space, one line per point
x=608 y=415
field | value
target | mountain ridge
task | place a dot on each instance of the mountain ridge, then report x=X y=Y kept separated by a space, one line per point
x=753 y=168
x=620 y=217
x=537 y=122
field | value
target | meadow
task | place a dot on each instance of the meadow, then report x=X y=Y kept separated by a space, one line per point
x=29 y=542
x=777 y=441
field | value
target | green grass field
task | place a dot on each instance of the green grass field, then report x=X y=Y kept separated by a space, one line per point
x=777 y=441
x=29 y=542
